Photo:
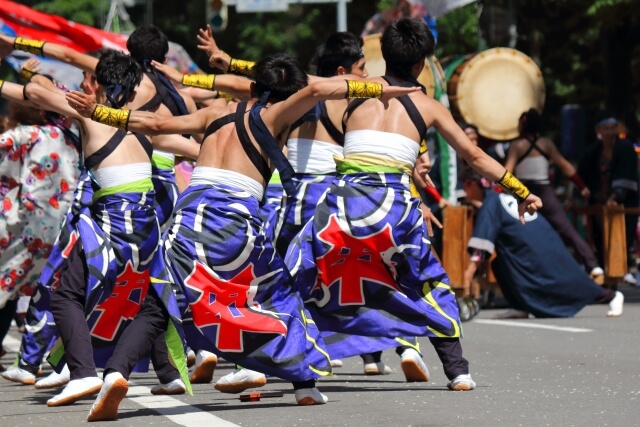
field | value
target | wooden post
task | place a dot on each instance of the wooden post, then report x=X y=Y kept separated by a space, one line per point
x=458 y=226
x=615 y=242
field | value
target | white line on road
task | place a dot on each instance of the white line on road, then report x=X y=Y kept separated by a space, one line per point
x=531 y=325
x=175 y=410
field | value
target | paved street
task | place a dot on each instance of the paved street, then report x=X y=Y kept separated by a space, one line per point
x=583 y=371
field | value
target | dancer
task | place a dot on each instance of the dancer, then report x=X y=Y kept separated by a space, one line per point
x=363 y=264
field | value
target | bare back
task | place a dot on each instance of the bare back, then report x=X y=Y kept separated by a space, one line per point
x=223 y=149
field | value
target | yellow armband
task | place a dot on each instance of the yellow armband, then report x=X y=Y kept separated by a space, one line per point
x=240 y=66
x=359 y=89
x=514 y=186
x=1 y=84
x=26 y=74
x=113 y=117
x=29 y=45
x=201 y=81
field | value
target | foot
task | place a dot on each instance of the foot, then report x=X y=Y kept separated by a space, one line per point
x=114 y=389
x=512 y=314
x=76 y=390
x=174 y=387
x=240 y=380
x=310 y=396
x=414 y=367
x=615 y=305
x=336 y=363
x=630 y=279
x=462 y=383
x=54 y=379
x=597 y=275
x=377 y=368
x=18 y=375
x=191 y=358
x=206 y=363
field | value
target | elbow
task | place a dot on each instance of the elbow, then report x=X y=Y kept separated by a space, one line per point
x=31 y=92
x=316 y=89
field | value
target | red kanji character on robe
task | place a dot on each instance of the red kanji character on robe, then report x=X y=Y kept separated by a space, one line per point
x=351 y=260
x=229 y=305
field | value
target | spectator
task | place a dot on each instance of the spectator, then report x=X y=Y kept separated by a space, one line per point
x=535 y=272
x=530 y=157
x=609 y=169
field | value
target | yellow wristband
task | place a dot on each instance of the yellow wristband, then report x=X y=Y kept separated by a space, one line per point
x=1 y=85
x=227 y=96
x=414 y=190
x=241 y=66
x=201 y=81
x=29 y=45
x=513 y=185
x=359 y=89
x=423 y=147
x=113 y=117
x=27 y=74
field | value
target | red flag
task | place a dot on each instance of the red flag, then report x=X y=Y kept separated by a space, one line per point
x=30 y=23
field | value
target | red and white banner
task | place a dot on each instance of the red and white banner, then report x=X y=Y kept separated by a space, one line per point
x=30 y=23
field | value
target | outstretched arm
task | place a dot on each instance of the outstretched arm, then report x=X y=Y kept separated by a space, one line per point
x=13 y=92
x=282 y=114
x=481 y=162
x=137 y=121
x=51 y=50
x=235 y=85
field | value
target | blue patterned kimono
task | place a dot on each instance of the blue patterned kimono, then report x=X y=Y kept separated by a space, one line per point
x=363 y=265
x=233 y=289
x=120 y=236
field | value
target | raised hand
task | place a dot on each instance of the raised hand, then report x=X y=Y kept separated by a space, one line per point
x=83 y=103
x=217 y=58
x=32 y=64
x=169 y=71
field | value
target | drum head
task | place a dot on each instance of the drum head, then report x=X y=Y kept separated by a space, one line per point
x=376 y=65
x=495 y=87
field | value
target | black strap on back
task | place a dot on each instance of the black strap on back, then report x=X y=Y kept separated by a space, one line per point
x=349 y=110
x=332 y=130
x=252 y=152
x=311 y=116
x=103 y=152
x=152 y=103
x=215 y=125
x=270 y=146
x=168 y=93
x=532 y=146
x=409 y=106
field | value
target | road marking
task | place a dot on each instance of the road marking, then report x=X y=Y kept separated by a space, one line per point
x=531 y=325
x=176 y=411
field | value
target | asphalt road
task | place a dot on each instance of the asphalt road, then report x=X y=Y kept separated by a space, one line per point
x=583 y=371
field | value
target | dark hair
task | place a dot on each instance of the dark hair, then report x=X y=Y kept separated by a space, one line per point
x=281 y=75
x=603 y=115
x=147 y=42
x=340 y=49
x=23 y=114
x=530 y=121
x=468 y=174
x=406 y=42
x=120 y=74
x=465 y=126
